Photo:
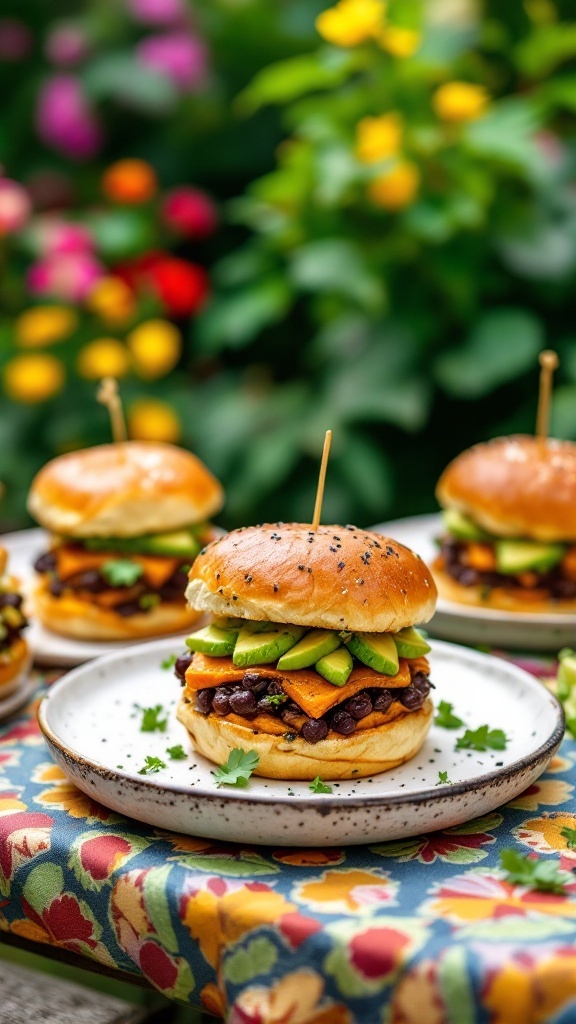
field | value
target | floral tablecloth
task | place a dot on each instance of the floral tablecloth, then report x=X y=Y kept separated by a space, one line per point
x=422 y=931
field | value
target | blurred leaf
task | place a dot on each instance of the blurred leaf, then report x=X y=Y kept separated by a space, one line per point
x=548 y=46
x=336 y=265
x=366 y=469
x=235 y=320
x=123 y=77
x=563 y=417
x=506 y=133
x=504 y=344
x=289 y=79
x=544 y=250
x=560 y=92
x=120 y=234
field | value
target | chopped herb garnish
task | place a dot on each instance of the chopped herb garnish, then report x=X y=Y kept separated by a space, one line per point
x=445 y=718
x=169 y=662
x=275 y=699
x=151 y=721
x=151 y=765
x=121 y=572
x=569 y=834
x=443 y=779
x=148 y=601
x=483 y=738
x=544 y=875
x=317 y=786
x=176 y=753
x=238 y=768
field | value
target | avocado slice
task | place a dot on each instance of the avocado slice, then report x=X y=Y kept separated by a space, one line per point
x=377 y=650
x=310 y=649
x=264 y=646
x=514 y=556
x=213 y=640
x=228 y=622
x=461 y=527
x=336 y=666
x=178 y=542
x=410 y=643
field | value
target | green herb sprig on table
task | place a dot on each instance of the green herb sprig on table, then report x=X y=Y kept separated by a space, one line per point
x=151 y=765
x=238 y=768
x=121 y=572
x=543 y=875
x=443 y=779
x=445 y=718
x=483 y=738
x=151 y=720
x=176 y=753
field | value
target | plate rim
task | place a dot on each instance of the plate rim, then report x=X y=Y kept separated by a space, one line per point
x=314 y=801
x=446 y=607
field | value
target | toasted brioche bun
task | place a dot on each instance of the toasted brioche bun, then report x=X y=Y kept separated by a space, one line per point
x=336 y=578
x=365 y=752
x=123 y=490
x=515 y=486
x=13 y=671
x=507 y=600
x=71 y=616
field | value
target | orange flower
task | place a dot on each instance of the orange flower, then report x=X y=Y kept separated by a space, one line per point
x=545 y=834
x=130 y=181
x=152 y=420
x=378 y=138
x=33 y=378
x=460 y=101
x=112 y=300
x=294 y=999
x=43 y=325
x=396 y=188
x=347 y=891
x=156 y=346
x=65 y=796
x=104 y=357
x=536 y=991
x=545 y=791
x=482 y=897
x=351 y=22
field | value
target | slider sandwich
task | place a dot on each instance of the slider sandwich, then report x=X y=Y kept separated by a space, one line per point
x=14 y=654
x=311 y=658
x=509 y=511
x=126 y=522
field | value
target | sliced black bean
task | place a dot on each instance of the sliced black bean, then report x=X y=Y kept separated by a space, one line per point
x=221 y=702
x=314 y=730
x=204 y=700
x=243 y=702
x=344 y=723
x=182 y=664
x=411 y=698
x=46 y=562
x=359 y=706
x=383 y=701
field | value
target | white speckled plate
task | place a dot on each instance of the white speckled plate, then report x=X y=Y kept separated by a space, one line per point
x=92 y=728
x=528 y=631
x=49 y=648
x=16 y=700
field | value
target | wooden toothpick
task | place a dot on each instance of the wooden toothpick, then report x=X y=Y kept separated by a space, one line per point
x=109 y=396
x=549 y=362
x=321 y=481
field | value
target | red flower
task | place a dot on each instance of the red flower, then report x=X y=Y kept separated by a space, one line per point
x=296 y=928
x=182 y=287
x=98 y=855
x=158 y=967
x=22 y=836
x=63 y=921
x=190 y=212
x=376 y=952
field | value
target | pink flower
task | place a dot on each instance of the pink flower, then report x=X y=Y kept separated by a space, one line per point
x=64 y=119
x=15 y=206
x=157 y=12
x=68 y=276
x=182 y=58
x=189 y=212
x=15 y=39
x=59 y=237
x=66 y=45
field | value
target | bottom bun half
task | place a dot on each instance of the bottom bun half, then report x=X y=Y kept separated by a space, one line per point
x=84 y=620
x=499 y=598
x=13 y=671
x=366 y=752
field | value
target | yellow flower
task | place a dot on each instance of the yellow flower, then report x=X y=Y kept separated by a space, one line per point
x=351 y=22
x=104 y=357
x=156 y=347
x=378 y=138
x=397 y=188
x=33 y=378
x=152 y=420
x=43 y=325
x=112 y=300
x=399 y=41
x=460 y=101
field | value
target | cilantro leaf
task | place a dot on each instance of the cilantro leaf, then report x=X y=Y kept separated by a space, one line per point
x=238 y=768
x=569 y=834
x=121 y=572
x=176 y=753
x=445 y=718
x=317 y=786
x=443 y=779
x=151 y=765
x=544 y=875
x=148 y=601
x=169 y=662
x=483 y=738
x=151 y=721
x=275 y=699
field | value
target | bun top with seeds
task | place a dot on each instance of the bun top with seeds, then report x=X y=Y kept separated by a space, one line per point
x=337 y=577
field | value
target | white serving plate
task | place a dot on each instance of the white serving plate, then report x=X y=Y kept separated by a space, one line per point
x=49 y=648
x=16 y=700
x=464 y=624
x=92 y=728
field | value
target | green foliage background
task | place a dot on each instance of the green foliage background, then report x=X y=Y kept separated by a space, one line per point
x=412 y=334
